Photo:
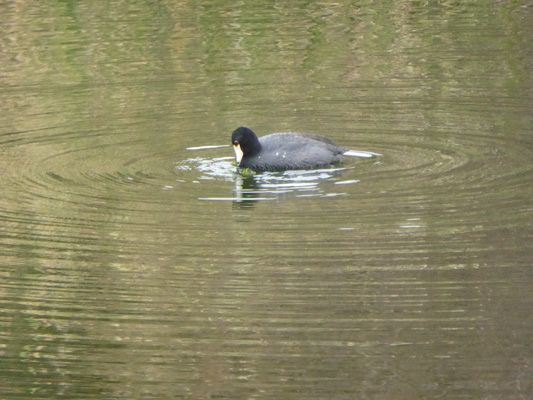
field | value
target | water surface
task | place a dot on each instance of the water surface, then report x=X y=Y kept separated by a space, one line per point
x=137 y=262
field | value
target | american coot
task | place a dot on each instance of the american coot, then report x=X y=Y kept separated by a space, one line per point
x=282 y=151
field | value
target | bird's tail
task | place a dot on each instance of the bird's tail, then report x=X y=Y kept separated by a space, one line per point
x=357 y=153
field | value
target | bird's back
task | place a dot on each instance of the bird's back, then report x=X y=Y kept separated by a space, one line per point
x=294 y=151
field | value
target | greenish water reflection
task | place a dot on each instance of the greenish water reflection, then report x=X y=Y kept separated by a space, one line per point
x=402 y=277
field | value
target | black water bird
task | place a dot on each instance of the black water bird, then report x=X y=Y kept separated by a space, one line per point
x=284 y=151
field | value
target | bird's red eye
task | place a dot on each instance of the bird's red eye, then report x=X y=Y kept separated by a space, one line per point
x=236 y=143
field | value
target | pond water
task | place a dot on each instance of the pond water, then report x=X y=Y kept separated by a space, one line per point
x=136 y=261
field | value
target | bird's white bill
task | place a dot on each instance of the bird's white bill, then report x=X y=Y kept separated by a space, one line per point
x=238 y=153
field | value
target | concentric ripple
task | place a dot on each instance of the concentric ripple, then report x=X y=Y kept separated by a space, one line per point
x=441 y=164
x=254 y=186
